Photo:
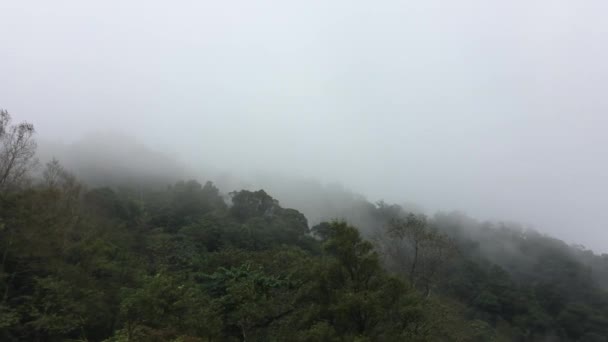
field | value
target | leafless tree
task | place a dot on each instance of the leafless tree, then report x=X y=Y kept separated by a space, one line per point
x=17 y=151
x=57 y=178
x=416 y=250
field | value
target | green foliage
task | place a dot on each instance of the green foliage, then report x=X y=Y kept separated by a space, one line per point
x=182 y=265
x=169 y=307
x=56 y=308
x=358 y=297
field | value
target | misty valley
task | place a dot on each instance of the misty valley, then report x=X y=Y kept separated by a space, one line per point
x=306 y=171
x=124 y=250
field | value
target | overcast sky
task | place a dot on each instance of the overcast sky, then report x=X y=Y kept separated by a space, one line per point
x=496 y=108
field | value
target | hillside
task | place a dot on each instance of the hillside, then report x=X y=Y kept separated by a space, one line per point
x=188 y=262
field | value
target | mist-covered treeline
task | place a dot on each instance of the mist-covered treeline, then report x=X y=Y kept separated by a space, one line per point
x=116 y=257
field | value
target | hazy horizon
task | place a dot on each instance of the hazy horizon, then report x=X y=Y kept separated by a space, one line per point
x=496 y=109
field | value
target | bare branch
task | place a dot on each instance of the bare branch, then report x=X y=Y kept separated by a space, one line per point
x=17 y=151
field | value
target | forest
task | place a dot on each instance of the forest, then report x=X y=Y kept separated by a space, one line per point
x=188 y=261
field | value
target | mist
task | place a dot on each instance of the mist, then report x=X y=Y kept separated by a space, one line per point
x=494 y=109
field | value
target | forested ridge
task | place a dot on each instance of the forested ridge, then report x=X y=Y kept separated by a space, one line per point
x=187 y=261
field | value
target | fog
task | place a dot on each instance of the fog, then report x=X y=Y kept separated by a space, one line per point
x=494 y=108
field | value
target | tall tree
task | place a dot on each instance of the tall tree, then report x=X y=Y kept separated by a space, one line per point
x=417 y=250
x=17 y=151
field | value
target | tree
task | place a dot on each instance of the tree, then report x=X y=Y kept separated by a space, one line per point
x=165 y=308
x=53 y=174
x=362 y=301
x=247 y=204
x=17 y=151
x=417 y=250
